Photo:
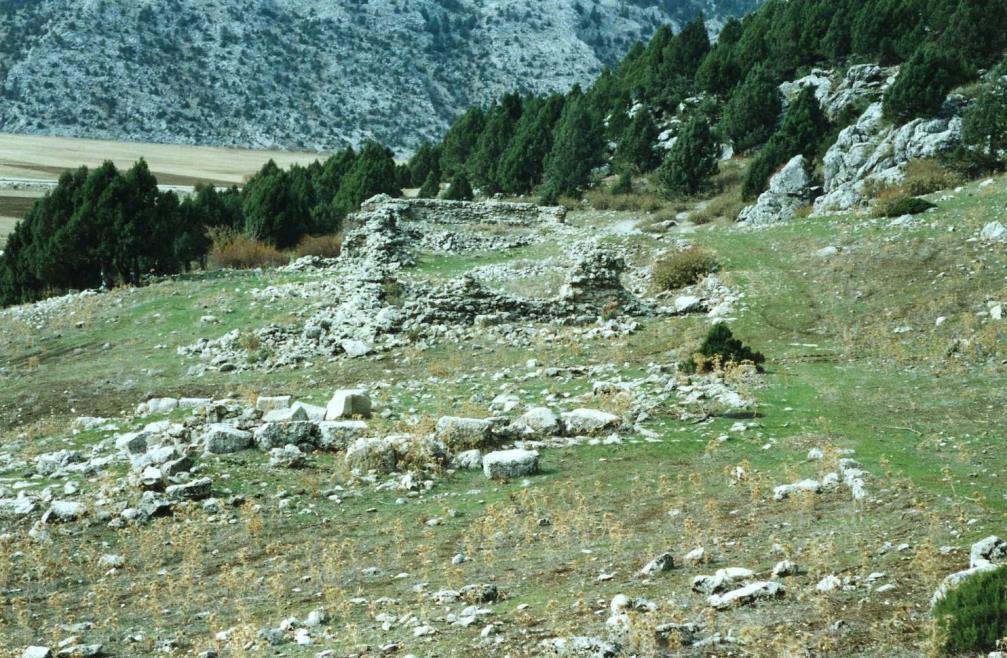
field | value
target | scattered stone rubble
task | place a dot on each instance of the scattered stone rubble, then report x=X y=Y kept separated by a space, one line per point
x=376 y=308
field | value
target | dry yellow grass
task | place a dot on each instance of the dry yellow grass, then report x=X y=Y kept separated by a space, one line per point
x=31 y=156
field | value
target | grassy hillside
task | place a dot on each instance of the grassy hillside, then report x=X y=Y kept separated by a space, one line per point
x=856 y=360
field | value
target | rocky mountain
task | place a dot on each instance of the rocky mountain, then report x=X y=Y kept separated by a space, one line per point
x=302 y=73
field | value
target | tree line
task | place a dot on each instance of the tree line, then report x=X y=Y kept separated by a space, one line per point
x=102 y=227
x=552 y=144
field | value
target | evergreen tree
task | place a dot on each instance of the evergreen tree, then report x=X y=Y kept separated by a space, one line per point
x=270 y=213
x=985 y=126
x=431 y=187
x=424 y=162
x=577 y=148
x=923 y=84
x=751 y=114
x=636 y=148
x=460 y=141
x=373 y=172
x=624 y=185
x=801 y=132
x=501 y=122
x=460 y=189
x=522 y=163
x=691 y=161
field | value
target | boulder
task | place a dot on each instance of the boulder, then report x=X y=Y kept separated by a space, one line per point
x=784 y=491
x=464 y=433
x=540 y=421
x=337 y=434
x=289 y=456
x=991 y=550
x=161 y=405
x=64 y=511
x=663 y=562
x=372 y=455
x=580 y=422
x=509 y=464
x=871 y=150
x=222 y=439
x=993 y=232
x=267 y=404
x=312 y=411
x=789 y=189
x=37 y=652
x=355 y=348
x=277 y=435
x=286 y=415
x=194 y=490
x=747 y=595
x=350 y=403
x=719 y=581
x=468 y=460
x=954 y=580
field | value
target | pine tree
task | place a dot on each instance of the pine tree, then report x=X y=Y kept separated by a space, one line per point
x=753 y=110
x=373 y=172
x=923 y=84
x=269 y=212
x=431 y=187
x=501 y=122
x=577 y=149
x=801 y=132
x=426 y=161
x=985 y=126
x=624 y=185
x=691 y=161
x=522 y=163
x=460 y=189
x=460 y=141
x=636 y=148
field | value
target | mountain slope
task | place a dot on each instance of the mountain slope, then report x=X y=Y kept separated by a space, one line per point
x=301 y=73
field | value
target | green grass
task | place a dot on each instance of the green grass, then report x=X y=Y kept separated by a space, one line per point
x=922 y=423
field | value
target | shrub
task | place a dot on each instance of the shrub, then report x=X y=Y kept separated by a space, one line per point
x=925 y=176
x=973 y=616
x=902 y=205
x=683 y=268
x=721 y=348
x=726 y=206
x=640 y=202
x=238 y=251
x=326 y=246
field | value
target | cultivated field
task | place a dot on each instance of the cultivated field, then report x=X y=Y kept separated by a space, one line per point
x=35 y=157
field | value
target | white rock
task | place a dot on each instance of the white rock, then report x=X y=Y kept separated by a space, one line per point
x=785 y=490
x=461 y=433
x=220 y=439
x=266 y=404
x=36 y=652
x=589 y=421
x=663 y=562
x=993 y=232
x=747 y=595
x=540 y=421
x=828 y=584
x=510 y=464
x=286 y=415
x=348 y=403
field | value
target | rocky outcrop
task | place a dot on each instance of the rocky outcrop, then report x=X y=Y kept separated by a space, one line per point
x=871 y=150
x=862 y=83
x=789 y=190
